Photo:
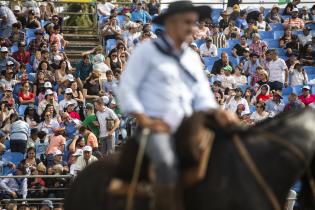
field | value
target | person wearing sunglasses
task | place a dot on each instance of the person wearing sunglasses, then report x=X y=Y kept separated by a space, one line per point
x=260 y=113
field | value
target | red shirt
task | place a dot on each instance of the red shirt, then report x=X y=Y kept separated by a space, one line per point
x=22 y=57
x=262 y=97
x=24 y=97
x=74 y=115
x=310 y=99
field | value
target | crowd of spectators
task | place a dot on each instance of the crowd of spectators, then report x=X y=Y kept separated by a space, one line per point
x=57 y=117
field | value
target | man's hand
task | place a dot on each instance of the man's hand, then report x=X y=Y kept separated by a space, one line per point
x=13 y=194
x=226 y=118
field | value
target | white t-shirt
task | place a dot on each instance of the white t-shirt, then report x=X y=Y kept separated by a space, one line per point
x=105 y=8
x=298 y=78
x=211 y=52
x=257 y=117
x=277 y=70
x=102 y=117
x=227 y=81
x=232 y=105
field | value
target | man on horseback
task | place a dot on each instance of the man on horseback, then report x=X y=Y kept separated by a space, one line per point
x=163 y=83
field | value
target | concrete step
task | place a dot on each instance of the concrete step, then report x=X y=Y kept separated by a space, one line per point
x=82 y=37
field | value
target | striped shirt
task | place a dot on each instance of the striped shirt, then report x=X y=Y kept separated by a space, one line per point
x=296 y=23
x=219 y=40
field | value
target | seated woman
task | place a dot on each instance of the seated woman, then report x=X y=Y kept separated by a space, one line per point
x=260 y=113
x=48 y=124
x=113 y=60
x=307 y=55
x=263 y=93
x=26 y=97
x=31 y=162
x=92 y=87
x=240 y=79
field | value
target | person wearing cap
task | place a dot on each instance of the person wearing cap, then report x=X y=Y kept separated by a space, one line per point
x=139 y=14
x=224 y=22
x=208 y=49
x=8 y=98
x=68 y=97
x=47 y=205
x=305 y=37
x=127 y=22
x=86 y=159
x=219 y=64
x=4 y=58
x=58 y=161
x=14 y=188
x=227 y=80
x=22 y=55
x=218 y=38
x=49 y=99
x=69 y=108
x=306 y=97
x=275 y=105
x=42 y=91
x=274 y=16
x=306 y=15
x=184 y=90
x=294 y=23
x=278 y=72
x=90 y=120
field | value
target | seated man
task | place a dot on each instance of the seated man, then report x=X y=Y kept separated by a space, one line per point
x=86 y=159
x=294 y=23
x=14 y=188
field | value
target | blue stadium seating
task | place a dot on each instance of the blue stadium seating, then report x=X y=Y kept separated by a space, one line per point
x=252 y=108
x=285 y=99
x=287 y=91
x=285 y=17
x=234 y=61
x=199 y=42
x=215 y=15
x=227 y=50
x=272 y=43
x=277 y=26
x=278 y=34
x=213 y=78
x=297 y=32
x=209 y=60
x=233 y=42
x=266 y=34
x=14 y=157
x=312 y=26
x=309 y=69
x=311 y=76
x=313 y=89
x=281 y=52
x=297 y=89
x=110 y=44
x=120 y=20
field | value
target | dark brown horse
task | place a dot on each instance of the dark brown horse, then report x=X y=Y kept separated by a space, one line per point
x=282 y=149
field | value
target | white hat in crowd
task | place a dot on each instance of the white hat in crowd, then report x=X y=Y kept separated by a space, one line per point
x=58 y=152
x=87 y=149
x=47 y=85
x=70 y=77
x=68 y=90
x=49 y=92
x=105 y=99
x=78 y=152
x=4 y=49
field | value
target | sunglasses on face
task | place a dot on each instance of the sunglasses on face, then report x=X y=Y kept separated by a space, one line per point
x=47 y=115
x=114 y=55
x=258 y=106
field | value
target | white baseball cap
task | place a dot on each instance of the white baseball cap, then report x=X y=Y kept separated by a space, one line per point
x=70 y=77
x=10 y=63
x=57 y=152
x=295 y=10
x=87 y=149
x=4 y=49
x=78 y=152
x=105 y=99
x=68 y=90
x=47 y=85
x=16 y=8
x=49 y=92
x=68 y=104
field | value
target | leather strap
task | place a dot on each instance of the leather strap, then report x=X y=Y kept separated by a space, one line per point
x=246 y=157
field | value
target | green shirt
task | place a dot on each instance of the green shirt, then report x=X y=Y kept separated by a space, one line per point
x=88 y=122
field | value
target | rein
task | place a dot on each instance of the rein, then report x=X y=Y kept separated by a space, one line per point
x=249 y=162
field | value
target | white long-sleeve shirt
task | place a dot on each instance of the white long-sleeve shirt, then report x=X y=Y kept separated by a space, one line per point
x=154 y=84
x=9 y=185
x=212 y=51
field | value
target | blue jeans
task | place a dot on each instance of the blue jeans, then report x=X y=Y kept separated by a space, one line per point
x=160 y=149
x=107 y=145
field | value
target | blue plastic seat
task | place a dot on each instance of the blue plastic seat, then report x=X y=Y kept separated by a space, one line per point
x=297 y=89
x=209 y=60
x=266 y=34
x=227 y=50
x=120 y=20
x=30 y=33
x=234 y=61
x=309 y=69
x=277 y=26
x=287 y=91
x=233 y=42
x=311 y=76
x=278 y=34
x=285 y=99
x=285 y=17
x=14 y=157
x=312 y=26
x=313 y=89
x=281 y=51
x=110 y=44
x=252 y=108
x=199 y=42
x=272 y=43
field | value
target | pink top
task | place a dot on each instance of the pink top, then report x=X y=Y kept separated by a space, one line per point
x=310 y=99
